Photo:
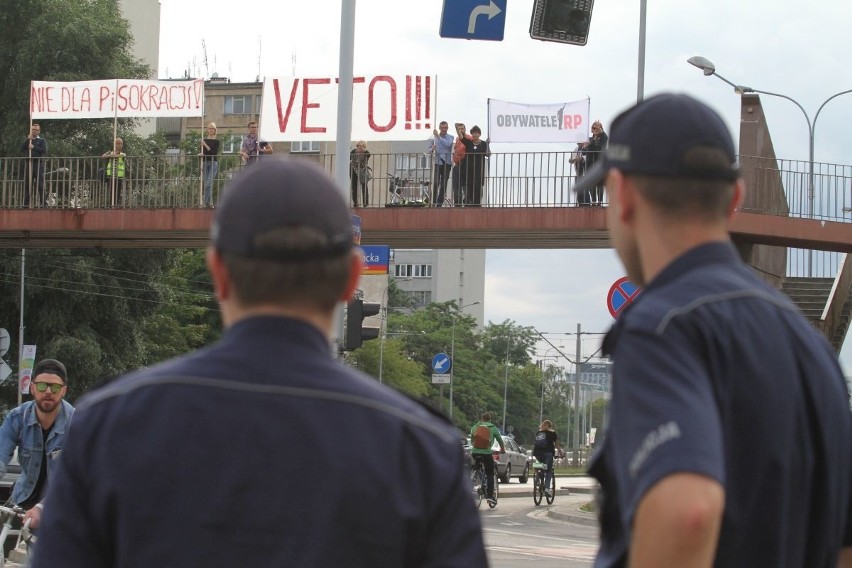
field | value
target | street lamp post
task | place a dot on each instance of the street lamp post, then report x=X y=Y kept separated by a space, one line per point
x=506 y=381
x=541 y=402
x=453 y=353
x=708 y=68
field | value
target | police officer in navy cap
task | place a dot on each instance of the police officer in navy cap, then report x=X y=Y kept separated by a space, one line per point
x=730 y=431
x=262 y=449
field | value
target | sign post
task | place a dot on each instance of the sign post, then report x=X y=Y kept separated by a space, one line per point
x=473 y=19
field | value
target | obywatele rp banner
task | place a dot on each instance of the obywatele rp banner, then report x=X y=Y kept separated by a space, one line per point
x=116 y=97
x=384 y=107
x=518 y=122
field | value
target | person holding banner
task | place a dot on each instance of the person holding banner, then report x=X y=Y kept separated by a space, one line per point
x=37 y=429
x=36 y=149
x=253 y=147
x=458 y=165
x=115 y=171
x=441 y=148
x=210 y=155
x=476 y=152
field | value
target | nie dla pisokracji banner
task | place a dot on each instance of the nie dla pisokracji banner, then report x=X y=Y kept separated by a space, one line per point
x=116 y=98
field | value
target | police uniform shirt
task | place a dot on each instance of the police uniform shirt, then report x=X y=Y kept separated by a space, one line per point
x=716 y=373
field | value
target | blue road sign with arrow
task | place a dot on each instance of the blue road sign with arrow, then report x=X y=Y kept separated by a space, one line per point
x=441 y=364
x=473 y=19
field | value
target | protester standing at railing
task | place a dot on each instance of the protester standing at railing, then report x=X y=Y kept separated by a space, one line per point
x=359 y=172
x=458 y=165
x=253 y=147
x=579 y=161
x=474 y=169
x=592 y=151
x=210 y=155
x=35 y=147
x=115 y=172
x=441 y=148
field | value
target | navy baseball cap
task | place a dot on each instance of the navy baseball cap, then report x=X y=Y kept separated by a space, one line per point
x=50 y=367
x=277 y=193
x=656 y=136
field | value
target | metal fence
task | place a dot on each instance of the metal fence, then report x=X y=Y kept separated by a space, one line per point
x=519 y=179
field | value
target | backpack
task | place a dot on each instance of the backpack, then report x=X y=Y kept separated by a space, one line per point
x=482 y=437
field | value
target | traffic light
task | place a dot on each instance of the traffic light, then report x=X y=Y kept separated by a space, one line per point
x=356 y=333
x=563 y=21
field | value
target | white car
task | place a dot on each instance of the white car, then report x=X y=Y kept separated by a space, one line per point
x=514 y=463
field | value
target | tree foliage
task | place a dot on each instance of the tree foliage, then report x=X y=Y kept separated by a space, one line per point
x=61 y=40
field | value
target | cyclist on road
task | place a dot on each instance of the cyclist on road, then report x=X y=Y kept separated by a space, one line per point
x=546 y=445
x=482 y=437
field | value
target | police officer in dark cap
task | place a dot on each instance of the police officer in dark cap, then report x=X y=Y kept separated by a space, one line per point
x=262 y=449
x=37 y=428
x=730 y=432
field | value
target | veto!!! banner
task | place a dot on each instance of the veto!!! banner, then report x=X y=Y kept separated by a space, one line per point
x=384 y=107
x=112 y=98
x=518 y=122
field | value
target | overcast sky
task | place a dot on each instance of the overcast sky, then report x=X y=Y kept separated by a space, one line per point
x=793 y=48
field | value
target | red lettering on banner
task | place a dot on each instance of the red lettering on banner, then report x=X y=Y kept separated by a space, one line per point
x=418 y=100
x=86 y=99
x=428 y=113
x=572 y=121
x=105 y=95
x=371 y=102
x=408 y=102
x=283 y=120
x=306 y=85
x=41 y=99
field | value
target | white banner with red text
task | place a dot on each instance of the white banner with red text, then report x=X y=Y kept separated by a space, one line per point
x=110 y=98
x=519 y=122
x=384 y=107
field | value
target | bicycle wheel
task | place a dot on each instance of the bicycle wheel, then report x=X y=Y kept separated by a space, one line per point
x=538 y=487
x=476 y=483
x=552 y=495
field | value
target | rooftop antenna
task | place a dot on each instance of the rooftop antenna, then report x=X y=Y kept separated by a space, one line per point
x=204 y=49
x=259 y=46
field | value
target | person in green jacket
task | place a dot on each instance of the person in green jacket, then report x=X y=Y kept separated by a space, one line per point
x=482 y=437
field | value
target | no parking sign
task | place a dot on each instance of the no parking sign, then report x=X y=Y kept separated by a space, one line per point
x=621 y=294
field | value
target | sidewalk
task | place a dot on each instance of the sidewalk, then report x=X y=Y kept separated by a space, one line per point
x=571 y=492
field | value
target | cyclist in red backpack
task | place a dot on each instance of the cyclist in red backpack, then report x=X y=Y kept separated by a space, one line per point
x=482 y=437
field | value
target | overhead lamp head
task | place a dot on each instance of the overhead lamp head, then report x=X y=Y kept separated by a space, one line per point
x=702 y=63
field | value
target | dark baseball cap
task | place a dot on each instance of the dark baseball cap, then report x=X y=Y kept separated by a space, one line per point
x=277 y=193
x=50 y=367
x=655 y=137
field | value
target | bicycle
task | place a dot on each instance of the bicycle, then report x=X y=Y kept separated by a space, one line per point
x=479 y=482
x=538 y=484
x=18 y=555
x=405 y=191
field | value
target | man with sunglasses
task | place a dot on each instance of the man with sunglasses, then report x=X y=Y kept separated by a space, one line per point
x=37 y=428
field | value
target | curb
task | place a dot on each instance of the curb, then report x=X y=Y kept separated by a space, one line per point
x=573 y=516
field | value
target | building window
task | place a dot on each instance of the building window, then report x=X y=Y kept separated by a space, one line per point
x=231 y=144
x=304 y=147
x=419 y=299
x=413 y=271
x=238 y=104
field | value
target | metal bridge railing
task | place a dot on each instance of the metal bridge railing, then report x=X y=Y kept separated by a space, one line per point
x=521 y=179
